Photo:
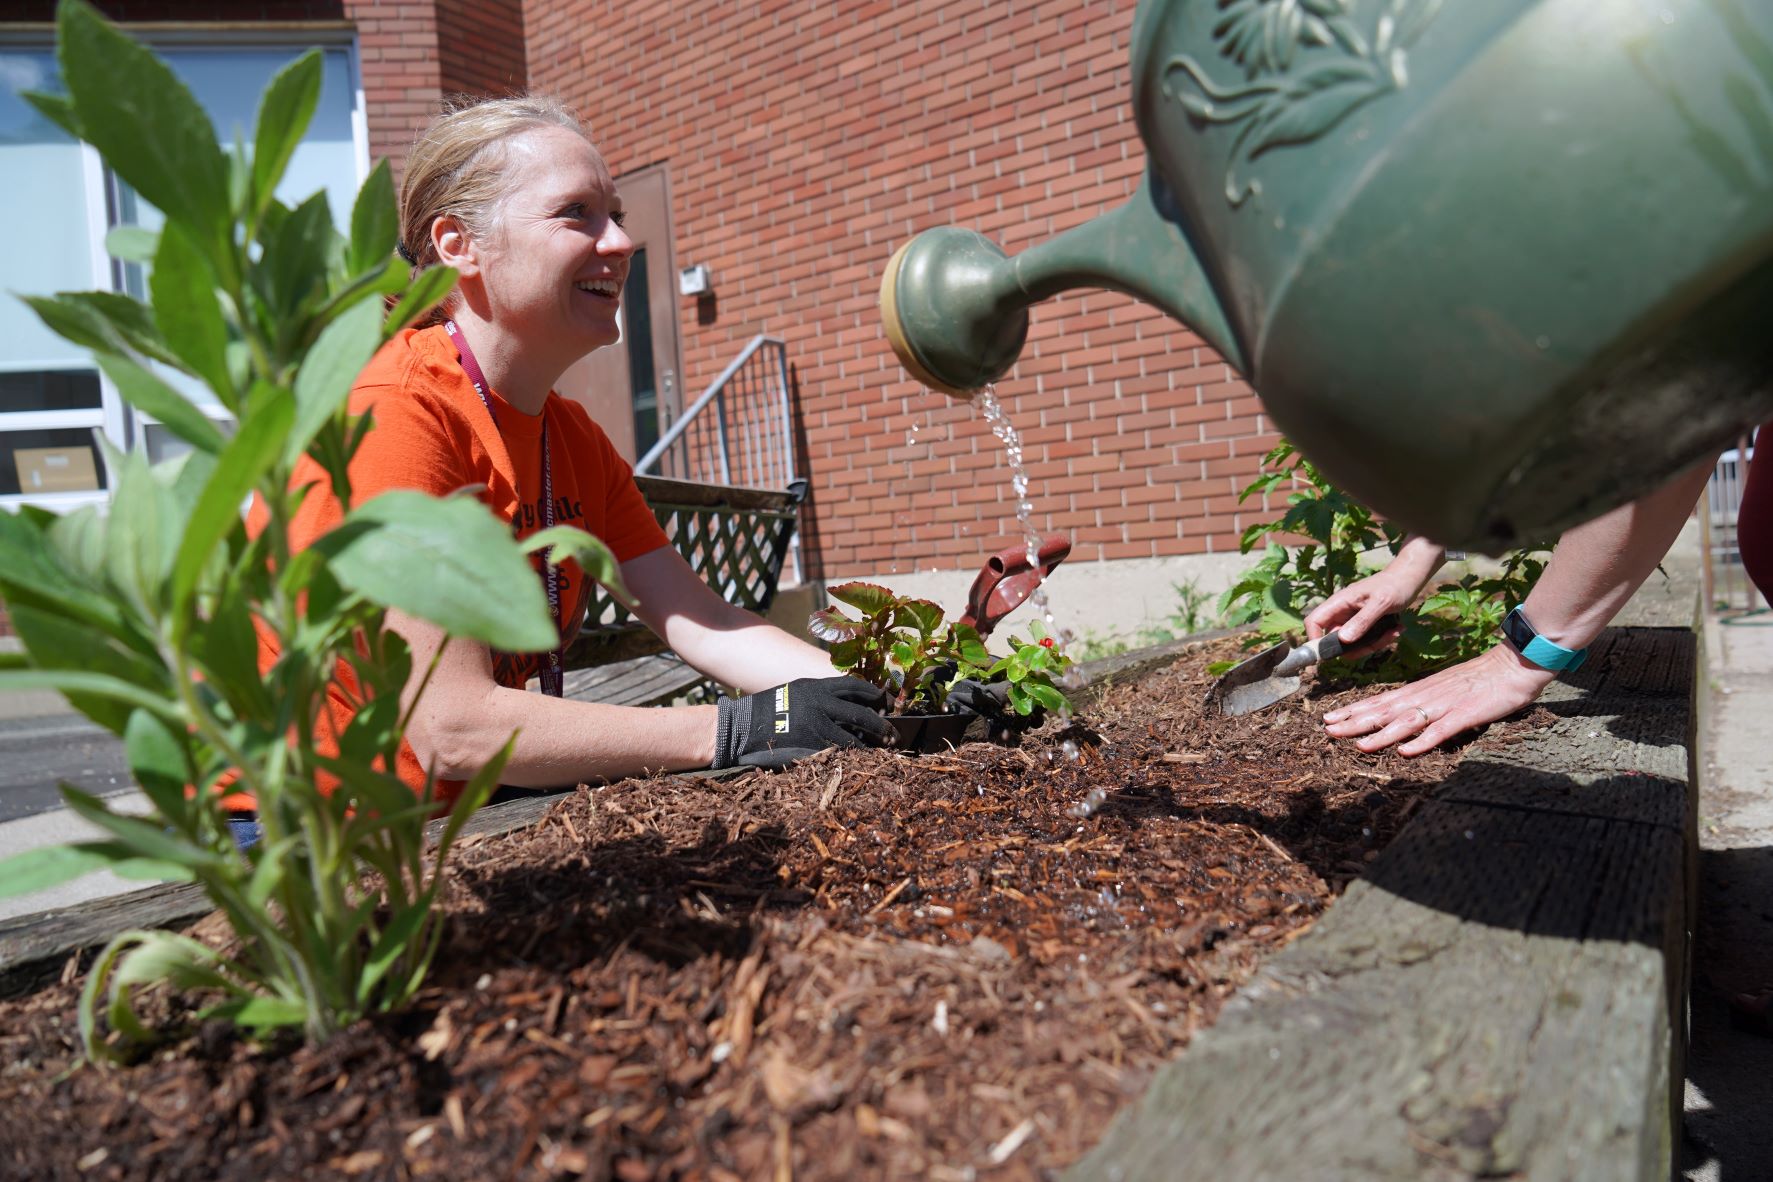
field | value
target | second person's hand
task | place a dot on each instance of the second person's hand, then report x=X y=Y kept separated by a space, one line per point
x=1354 y=610
x=1425 y=713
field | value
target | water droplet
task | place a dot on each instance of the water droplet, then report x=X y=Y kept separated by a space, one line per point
x=1543 y=342
x=1667 y=17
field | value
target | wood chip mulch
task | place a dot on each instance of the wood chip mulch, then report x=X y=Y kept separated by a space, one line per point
x=868 y=966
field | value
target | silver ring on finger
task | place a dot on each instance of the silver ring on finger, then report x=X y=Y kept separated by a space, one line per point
x=1425 y=718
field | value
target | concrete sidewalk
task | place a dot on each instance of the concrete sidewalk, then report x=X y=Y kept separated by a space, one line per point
x=42 y=741
x=1729 y=1136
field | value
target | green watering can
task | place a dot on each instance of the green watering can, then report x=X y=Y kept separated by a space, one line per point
x=1495 y=265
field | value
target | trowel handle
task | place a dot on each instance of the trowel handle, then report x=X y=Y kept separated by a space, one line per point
x=1330 y=646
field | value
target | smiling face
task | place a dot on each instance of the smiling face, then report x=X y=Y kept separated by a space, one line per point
x=551 y=268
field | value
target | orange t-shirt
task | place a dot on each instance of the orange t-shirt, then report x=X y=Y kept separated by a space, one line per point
x=433 y=434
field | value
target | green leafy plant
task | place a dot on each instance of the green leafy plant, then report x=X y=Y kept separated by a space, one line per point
x=1193 y=613
x=905 y=645
x=1276 y=593
x=144 y=617
x=1031 y=669
x=1457 y=621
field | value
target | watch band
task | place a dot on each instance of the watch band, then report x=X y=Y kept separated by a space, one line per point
x=1554 y=658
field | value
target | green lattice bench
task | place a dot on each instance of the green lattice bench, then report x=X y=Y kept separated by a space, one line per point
x=735 y=538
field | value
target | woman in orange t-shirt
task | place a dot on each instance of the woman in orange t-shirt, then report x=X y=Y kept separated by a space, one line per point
x=512 y=194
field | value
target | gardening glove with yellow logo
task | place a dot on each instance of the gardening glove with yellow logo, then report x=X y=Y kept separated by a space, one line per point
x=779 y=726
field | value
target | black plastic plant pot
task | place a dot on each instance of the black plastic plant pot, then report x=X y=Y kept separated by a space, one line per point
x=928 y=733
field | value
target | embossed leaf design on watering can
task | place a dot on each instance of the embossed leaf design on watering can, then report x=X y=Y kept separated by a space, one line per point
x=1495 y=267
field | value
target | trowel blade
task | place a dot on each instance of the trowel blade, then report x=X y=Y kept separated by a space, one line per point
x=1251 y=685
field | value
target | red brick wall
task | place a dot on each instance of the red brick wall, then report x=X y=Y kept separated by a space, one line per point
x=402 y=81
x=397 y=46
x=805 y=142
x=480 y=46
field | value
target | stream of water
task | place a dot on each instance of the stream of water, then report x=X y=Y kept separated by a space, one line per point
x=1005 y=431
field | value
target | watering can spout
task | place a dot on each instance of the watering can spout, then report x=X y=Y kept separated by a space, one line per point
x=955 y=307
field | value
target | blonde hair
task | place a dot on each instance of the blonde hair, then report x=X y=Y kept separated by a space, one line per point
x=457 y=168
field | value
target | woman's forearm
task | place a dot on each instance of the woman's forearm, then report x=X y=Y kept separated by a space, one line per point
x=748 y=653
x=1599 y=565
x=561 y=741
x=1416 y=561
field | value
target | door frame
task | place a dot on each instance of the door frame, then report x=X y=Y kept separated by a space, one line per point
x=602 y=381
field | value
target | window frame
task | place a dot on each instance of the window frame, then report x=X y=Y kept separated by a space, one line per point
x=123 y=426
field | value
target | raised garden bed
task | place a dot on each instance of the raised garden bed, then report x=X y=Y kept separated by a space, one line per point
x=871 y=965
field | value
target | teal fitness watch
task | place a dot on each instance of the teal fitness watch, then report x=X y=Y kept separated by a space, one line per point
x=1554 y=658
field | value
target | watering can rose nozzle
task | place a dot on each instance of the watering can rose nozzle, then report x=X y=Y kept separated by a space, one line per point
x=953 y=310
x=955 y=306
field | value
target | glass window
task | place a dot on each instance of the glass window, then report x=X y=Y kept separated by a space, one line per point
x=50 y=248
x=637 y=337
x=50 y=396
x=39 y=463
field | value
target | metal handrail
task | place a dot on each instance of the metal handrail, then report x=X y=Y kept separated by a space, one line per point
x=752 y=442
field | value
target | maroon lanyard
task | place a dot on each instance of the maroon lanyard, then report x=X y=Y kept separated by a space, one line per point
x=553 y=677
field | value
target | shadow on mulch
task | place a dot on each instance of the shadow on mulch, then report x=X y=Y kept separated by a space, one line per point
x=636 y=892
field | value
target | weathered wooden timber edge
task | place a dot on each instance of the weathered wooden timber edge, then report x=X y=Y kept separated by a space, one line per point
x=1502 y=996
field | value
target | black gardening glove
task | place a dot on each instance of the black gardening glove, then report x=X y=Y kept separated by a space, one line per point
x=779 y=726
x=989 y=704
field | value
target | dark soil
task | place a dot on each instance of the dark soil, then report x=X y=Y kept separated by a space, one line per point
x=867 y=966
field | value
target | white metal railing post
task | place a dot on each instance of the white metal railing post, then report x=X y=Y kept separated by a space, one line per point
x=678 y=435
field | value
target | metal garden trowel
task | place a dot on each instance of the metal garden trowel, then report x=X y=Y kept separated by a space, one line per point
x=1273 y=673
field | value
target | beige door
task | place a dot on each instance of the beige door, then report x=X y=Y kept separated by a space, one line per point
x=633 y=388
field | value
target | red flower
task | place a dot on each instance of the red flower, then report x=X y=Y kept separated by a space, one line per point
x=1046 y=642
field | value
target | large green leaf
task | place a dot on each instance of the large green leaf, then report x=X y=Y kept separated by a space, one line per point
x=293 y=267
x=396 y=941
x=426 y=292
x=159 y=761
x=260 y=1013
x=105 y=322
x=142 y=532
x=255 y=447
x=920 y=614
x=830 y=624
x=570 y=543
x=32 y=570
x=133 y=244
x=866 y=597
x=375 y=225
x=148 y=393
x=58 y=642
x=226 y=649
x=168 y=956
x=285 y=110
x=146 y=838
x=324 y=381
x=144 y=122
x=50 y=866
x=57 y=109
x=188 y=313
x=447 y=561
x=70 y=681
